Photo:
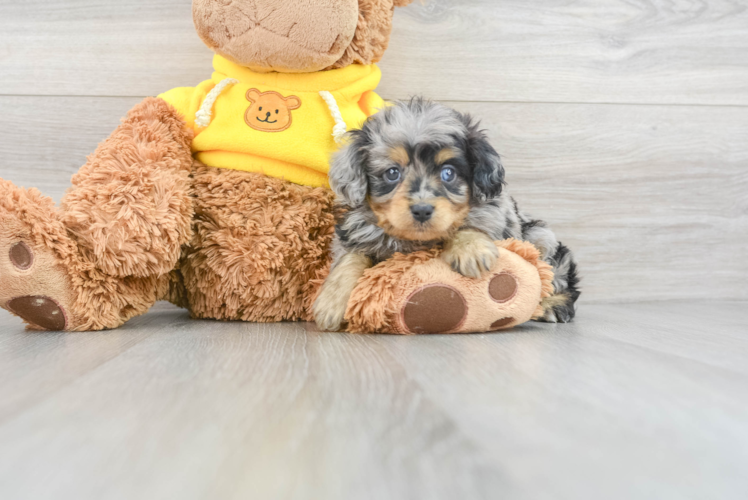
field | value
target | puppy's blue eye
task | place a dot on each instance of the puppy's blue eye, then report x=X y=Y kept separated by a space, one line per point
x=448 y=174
x=392 y=175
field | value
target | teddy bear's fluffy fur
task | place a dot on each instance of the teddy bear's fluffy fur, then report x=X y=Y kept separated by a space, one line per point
x=261 y=35
x=144 y=221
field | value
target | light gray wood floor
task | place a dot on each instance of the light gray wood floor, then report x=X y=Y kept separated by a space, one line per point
x=645 y=400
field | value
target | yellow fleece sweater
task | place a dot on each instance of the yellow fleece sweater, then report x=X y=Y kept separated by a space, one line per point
x=277 y=124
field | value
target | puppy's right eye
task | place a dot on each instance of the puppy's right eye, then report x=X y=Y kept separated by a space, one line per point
x=392 y=175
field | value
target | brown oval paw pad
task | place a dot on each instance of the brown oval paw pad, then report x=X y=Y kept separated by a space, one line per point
x=39 y=310
x=434 y=309
x=502 y=323
x=503 y=287
x=21 y=256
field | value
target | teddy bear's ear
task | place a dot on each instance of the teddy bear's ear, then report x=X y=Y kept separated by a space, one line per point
x=253 y=95
x=293 y=102
x=372 y=32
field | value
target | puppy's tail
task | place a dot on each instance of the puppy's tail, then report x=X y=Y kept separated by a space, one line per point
x=561 y=306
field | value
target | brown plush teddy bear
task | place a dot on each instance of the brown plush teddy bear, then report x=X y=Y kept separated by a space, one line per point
x=213 y=197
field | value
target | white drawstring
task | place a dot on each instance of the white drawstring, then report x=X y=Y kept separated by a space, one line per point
x=203 y=115
x=340 y=128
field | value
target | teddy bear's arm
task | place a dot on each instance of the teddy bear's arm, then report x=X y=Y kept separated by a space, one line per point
x=370 y=103
x=187 y=101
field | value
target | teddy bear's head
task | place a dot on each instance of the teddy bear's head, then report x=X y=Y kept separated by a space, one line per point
x=296 y=36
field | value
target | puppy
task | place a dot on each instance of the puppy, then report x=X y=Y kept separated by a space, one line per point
x=419 y=174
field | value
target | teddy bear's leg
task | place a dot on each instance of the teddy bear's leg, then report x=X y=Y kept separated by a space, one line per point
x=130 y=207
x=106 y=255
x=48 y=282
x=260 y=245
x=34 y=249
x=419 y=293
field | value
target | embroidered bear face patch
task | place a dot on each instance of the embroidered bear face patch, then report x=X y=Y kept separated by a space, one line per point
x=270 y=111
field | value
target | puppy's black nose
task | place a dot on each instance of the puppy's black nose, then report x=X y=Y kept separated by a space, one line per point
x=422 y=212
x=268 y=113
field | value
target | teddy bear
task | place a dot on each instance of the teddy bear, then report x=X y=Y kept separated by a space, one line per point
x=212 y=197
x=216 y=197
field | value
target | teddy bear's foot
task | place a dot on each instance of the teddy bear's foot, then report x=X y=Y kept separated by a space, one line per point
x=457 y=304
x=450 y=308
x=35 y=282
x=419 y=293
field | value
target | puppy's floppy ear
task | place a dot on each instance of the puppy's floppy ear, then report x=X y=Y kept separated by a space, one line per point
x=348 y=177
x=488 y=172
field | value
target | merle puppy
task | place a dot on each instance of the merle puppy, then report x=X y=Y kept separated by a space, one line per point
x=417 y=175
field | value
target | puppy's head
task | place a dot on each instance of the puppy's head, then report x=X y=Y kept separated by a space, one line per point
x=420 y=166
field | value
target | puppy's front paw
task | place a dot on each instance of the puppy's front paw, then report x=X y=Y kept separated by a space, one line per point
x=471 y=253
x=332 y=302
x=329 y=310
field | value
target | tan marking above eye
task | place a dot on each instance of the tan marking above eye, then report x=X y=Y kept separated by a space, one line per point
x=444 y=156
x=400 y=156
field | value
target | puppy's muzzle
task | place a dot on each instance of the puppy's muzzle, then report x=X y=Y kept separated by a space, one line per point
x=422 y=212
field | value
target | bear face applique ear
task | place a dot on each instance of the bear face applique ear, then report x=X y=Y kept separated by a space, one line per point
x=270 y=111
x=253 y=95
x=293 y=102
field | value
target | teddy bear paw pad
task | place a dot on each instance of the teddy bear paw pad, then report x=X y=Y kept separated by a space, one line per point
x=35 y=284
x=503 y=287
x=434 y=309
x=21 y=256
x=39 y=310
x=502 y=323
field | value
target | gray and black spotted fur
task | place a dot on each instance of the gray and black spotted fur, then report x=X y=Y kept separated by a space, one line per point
x=423 y=127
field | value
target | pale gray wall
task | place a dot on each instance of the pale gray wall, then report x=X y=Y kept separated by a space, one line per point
x=623 y=123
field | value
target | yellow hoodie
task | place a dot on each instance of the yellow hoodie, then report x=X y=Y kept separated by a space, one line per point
x=279 y=124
